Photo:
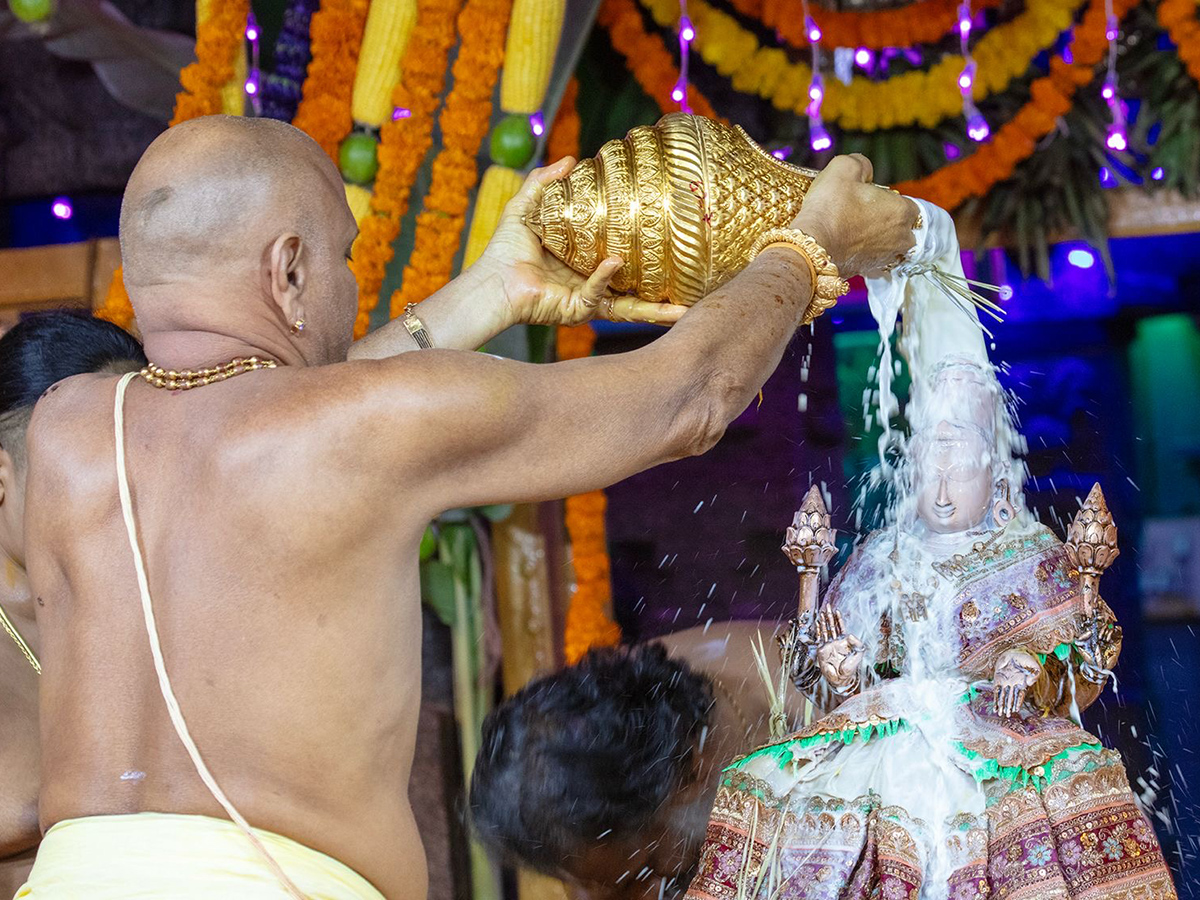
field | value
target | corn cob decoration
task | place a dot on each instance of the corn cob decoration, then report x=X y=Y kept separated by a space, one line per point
x=389 y=25
x=530 y=48
x=233 y=92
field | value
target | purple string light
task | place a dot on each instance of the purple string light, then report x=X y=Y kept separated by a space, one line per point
x=280 y=90
x=818 y=136
x=254 y=76
x=1116 y=139
x=977 y=126
x=687 y=34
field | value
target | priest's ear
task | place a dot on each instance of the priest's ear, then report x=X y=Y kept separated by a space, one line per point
x=287 y=275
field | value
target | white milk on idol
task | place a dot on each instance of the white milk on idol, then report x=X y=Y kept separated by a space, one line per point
x=957 y=398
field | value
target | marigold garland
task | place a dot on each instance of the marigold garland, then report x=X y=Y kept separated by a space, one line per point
x=116 y=307
x=483 y=26
x=923 y=22
x=219 y=37
x=588 y=624
x=647 y=59
x=403 y=145
x=1050 y=98
x=1178 y=17
x=924 y=97
x=335 y=35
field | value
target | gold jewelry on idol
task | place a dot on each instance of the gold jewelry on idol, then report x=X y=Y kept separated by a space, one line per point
x=827 y=283
x=297 y=326
x=186 y=379
x=12 y=632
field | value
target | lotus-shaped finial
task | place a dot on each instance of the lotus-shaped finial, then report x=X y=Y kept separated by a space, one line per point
x=810 y=538
x=1091 y=543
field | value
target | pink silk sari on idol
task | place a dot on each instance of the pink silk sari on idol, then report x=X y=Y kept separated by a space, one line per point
x=919 y=790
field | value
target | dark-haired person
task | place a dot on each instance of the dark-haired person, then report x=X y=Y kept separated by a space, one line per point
x=603 y=773
x=35 y=354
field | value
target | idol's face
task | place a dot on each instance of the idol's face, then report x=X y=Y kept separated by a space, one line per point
x=953 y=478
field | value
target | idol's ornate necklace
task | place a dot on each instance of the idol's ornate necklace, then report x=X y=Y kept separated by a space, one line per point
x=186 y=379
x=12 y=632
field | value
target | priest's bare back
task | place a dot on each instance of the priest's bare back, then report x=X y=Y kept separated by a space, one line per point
x=280 y=511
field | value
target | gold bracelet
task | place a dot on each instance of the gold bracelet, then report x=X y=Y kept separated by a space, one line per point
x=828 y=284
x=417 y=328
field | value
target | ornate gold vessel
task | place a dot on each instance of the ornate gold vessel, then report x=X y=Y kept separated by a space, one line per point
x=682 y=202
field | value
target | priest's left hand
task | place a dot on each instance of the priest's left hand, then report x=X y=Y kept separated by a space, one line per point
x=539 y=289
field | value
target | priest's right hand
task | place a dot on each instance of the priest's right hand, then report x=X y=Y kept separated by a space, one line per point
x=839 y=655
x=864 y=227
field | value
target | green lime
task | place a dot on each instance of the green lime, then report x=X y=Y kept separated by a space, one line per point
x=358 y=158
x=31 y=10
x=428 y=544
x=513 y=143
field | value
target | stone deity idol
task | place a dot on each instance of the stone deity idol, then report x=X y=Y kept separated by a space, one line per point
x=953 y=651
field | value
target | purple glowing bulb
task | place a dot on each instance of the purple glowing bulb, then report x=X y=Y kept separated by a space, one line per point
x=782 y=153
x=977 y=127
x=952 y=151
x=1116 y=138
x=677 y=94
x=686 y=30
x=251 y=28
x=537 y=124
x=61 y=208
x=1108 y=91
x=815 y=92
x=862 y=56
x=1158 y=173
x=819 y=137
x=401 y=112
x=964 y=26
x=251 y=87
x=812 y=29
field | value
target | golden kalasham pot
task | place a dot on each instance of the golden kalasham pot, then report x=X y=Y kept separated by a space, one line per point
x=681 y=202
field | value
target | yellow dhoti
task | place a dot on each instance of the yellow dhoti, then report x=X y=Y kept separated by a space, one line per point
x=160 y=855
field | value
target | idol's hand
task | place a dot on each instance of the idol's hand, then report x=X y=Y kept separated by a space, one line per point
x=839 y=654
x=1015 y=673
x=864 y=227
x=539 y=289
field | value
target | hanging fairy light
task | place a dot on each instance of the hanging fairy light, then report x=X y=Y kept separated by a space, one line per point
x=818 y=136
x=687 y=34
x=977 y=126
x=253 y=84
x=1117 y=138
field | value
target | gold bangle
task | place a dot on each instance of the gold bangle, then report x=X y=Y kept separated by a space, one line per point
x=828 y=284
x=788 y=245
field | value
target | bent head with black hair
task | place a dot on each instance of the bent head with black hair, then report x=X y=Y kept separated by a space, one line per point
x=603 y=773
x=35 y=354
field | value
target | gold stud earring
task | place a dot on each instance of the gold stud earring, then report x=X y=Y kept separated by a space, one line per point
x=297 y=326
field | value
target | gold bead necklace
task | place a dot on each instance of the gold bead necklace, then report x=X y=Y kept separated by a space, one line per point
x=186 y=379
